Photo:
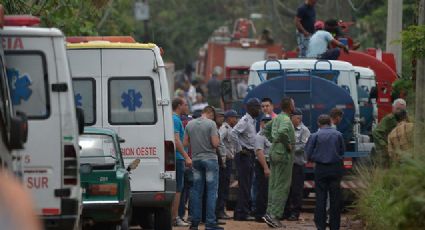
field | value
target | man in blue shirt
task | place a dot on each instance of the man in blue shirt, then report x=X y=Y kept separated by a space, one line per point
x=319 y=42
x=304 y=22
x=180 y=107
x=326 y=148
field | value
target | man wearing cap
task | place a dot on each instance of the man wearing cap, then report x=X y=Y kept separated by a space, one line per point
x=294 y=202
x=262 y=170
x=243 y=136
x=280 y=132
x=231 y=118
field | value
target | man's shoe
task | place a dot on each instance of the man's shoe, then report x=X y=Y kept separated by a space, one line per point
x=213 y=227
x=272 y=222
x=220 y=222
x=223 y=216
x=259 y=219
x=180 y=223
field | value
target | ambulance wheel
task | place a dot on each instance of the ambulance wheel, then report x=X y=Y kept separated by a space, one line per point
x=163 y=218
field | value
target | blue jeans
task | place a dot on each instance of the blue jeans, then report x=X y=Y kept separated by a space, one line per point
x=302 y=42
x=205 y=172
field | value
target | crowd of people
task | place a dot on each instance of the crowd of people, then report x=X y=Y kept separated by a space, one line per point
x=269 y=163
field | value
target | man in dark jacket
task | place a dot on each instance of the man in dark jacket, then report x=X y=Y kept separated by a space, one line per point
x=326 y=148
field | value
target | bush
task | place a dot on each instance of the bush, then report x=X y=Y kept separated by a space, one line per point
x=393 y=198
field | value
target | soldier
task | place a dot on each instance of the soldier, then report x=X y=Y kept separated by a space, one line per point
x=243 y=135
x=231 y=118
x=280 y=132
x=380 y=133
x=294 y=202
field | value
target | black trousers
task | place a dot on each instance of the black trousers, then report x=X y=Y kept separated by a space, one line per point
x=245 y=168
x=223 y=187
x=262 y=191
x=327 y=179
x=294 y=203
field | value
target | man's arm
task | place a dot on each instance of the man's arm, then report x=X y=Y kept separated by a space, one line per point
x=340 y=45
x=180 y=148
x=186 y=140
x=215 y=139
x=280 y=133
x=259 y=151
x=238 y=129
x=341 y=144
x=300 y=27
x=309 y=147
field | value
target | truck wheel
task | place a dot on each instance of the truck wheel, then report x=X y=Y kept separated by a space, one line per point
x=163 y=218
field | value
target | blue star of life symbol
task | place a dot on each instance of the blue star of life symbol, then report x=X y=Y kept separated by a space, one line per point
x=131 y=100
x=78 y=100
x=19 y=86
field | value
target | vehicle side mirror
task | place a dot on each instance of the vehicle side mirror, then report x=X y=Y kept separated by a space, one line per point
x=80 y=120
x=226 y=90
x=133 y=165
x=18 y=131
x=121 y=140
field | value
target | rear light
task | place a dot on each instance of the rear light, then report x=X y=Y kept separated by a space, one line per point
x=159 y=196
x=348 y=163
x=70 y=166
x=123 y=39
x=170 y=156
x=50 y=211
x=103 y=189
x=21 y=20
x=309 y=164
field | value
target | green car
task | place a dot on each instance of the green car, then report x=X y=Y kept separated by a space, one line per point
x=104 y=180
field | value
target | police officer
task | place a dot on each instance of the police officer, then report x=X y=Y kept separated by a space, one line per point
x=243 y=135
x=231 y=118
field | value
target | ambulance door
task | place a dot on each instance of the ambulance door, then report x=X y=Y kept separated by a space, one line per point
x=131 y=108
x=31 y=73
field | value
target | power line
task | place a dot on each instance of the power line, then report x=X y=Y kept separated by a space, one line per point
x=356 y=9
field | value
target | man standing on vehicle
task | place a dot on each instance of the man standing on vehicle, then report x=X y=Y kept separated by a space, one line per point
x=180 y=107
x=318 y=45
x=326 y=148
x=262 y=170
x=280 y=132
x=231 y=118
x=243 y=135
x=294 y=202
x=304 y=22
x=267 y=107
x=380 y=133
x=202 y=136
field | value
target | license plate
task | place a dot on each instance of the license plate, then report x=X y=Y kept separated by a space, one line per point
x=167 y=175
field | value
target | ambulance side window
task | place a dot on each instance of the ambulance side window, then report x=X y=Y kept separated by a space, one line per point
x=85 y=98
x=28 y=83
x=131 y=101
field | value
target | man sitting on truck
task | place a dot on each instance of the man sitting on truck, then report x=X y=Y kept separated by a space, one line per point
x=319 y=42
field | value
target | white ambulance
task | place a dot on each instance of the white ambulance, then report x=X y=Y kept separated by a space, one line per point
x=123 y=86
x=41 y=87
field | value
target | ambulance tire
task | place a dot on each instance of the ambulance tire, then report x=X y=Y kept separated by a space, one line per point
x=142 y=217
x=163 y=218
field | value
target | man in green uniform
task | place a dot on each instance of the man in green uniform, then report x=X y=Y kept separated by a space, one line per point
x=380 y=133
x=280 y=132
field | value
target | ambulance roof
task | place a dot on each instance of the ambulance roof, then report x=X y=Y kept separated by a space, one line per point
x=30 y=31
x=299 y=64
x=109 y=45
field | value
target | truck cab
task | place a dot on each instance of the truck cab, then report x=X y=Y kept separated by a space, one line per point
x=41 y=87
x=123 y=86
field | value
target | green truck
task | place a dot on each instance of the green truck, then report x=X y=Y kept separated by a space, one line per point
x=104 y=180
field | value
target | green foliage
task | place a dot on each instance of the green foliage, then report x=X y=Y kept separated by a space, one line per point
x=413 y=41
x=393 y=198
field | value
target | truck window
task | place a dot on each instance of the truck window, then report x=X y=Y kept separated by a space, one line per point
x=97 y=149
x=28 y=83
x=85 y=98
x=131 y=101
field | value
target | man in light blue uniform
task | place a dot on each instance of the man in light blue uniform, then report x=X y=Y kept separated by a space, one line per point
x=318 y=45
x=243 y=135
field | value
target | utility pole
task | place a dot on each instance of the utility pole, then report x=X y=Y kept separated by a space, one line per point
x=394 y=27
x=420 y=91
